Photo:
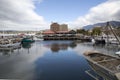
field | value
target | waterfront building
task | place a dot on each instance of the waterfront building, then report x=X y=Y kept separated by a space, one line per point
x=59 y=32
x=63 y=27
x=55 y=27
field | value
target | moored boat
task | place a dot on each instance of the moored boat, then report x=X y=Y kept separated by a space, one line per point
x=37 y=38
x=118 y=53
x=7 y=44
x=107 y=65
x=27 y=40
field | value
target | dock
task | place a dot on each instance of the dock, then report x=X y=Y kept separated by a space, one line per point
x=67 y=38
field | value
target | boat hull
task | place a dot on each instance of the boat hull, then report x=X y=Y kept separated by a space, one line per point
x=27 y=40
x=105 y=65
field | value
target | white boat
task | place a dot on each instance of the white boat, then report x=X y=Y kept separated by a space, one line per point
x=110 y=39
x=38 y=38
x=9 y=44
x=109 y=36
x=117 y=52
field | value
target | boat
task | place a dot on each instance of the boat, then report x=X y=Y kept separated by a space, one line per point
x=117 y=52
x=37 y=38
x=107 y=65
x=27 y=40
x=100 y=41
x=8 y=44
x=108 y=36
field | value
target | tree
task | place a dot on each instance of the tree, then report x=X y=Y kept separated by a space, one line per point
x=96 y=31
x=82 y=31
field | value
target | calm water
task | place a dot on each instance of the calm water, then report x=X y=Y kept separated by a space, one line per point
x=49 y=60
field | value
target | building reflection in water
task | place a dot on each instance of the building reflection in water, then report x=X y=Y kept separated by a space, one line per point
x=56 y=47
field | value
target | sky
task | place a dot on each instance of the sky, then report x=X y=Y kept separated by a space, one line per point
x=38 y=14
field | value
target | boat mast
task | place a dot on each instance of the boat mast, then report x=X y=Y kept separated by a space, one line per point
x=107 y=33
x=108 y=23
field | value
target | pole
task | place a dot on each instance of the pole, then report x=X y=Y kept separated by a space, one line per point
x=113 y=32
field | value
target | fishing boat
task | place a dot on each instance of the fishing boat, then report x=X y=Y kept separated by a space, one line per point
x=108 y=36
x=104 y=64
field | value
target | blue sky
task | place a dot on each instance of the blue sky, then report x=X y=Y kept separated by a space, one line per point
x=65 y=10
x=38 y=14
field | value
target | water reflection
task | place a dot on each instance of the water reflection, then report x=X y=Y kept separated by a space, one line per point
x=6 y=52
x=73 y=45
x=9 y=51
x=26 y=45
x=107 y=49
x=56 y=47
x=66 y=65
x=42 y=64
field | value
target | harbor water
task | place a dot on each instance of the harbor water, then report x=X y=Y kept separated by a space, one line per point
x=50 y=60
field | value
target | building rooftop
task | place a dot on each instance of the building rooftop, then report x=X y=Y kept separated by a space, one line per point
x=48 y=32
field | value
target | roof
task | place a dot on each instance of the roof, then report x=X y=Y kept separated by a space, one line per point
x=48 y=32
x=72 y=32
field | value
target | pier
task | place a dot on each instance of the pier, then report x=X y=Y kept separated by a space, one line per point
x=67 y=38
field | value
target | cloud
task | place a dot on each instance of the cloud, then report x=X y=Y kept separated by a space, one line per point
x=19 y=15
x=107 y=11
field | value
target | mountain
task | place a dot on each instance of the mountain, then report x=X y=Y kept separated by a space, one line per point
x=113 y=23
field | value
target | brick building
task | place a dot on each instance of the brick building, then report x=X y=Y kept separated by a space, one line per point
x=55 y=27
x=63 y=27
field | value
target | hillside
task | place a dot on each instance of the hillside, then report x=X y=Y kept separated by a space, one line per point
x=113 y=23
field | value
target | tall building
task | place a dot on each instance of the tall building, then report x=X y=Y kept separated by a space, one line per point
x=55 y=27
x=63 y=27
x=58 y=28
